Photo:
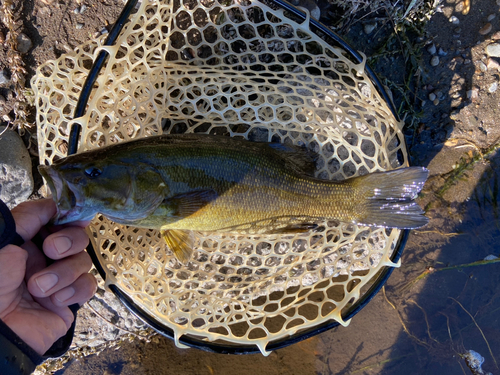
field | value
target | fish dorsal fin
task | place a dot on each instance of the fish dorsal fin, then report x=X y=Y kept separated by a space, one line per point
x=187 y=204
x=181 y=242
x=297 y=158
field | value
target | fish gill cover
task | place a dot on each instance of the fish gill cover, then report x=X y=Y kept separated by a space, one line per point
x=235 y=68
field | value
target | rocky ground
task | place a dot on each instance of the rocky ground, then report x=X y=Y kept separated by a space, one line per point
x=442 y=64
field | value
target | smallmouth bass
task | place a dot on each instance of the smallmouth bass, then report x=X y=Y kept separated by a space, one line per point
x=180 y=183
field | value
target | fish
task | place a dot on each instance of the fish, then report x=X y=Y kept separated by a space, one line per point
x=182 y=183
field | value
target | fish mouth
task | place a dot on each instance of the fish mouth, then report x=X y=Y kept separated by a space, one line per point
x=68 y=198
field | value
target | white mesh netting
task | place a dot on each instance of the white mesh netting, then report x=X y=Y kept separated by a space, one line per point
x=236 y=68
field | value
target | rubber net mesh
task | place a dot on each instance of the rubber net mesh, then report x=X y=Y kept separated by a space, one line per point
x=241 y=69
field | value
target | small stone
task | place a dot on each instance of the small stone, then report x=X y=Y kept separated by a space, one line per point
x=24 y=43
x=458 y=60
x=490 y=257
x=496 y=36
x=435 y=61
x=2 y=100
x=493 y=87
x=432 y=49
x=79 y=26
x=369 y=27
x=442 y=52
x=454 y=20
x=16 y=180
x=432 y=96
x=493 y=50
x=491 y=17
x=482 y=66
x=457 y=30
x=435 y=101
x=485 y=29
x=76 y=10
x=4 y=77
x=2 y=38
x=440 y=95
x=472 y=94
x=493 y=64
x=104 y=31
x=83 y=8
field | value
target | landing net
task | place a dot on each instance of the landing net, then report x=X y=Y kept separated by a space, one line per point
x=240 y=69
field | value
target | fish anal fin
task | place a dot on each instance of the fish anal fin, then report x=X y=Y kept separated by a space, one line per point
x=181 y=242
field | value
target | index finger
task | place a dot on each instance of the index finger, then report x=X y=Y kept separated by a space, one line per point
x=31 y=216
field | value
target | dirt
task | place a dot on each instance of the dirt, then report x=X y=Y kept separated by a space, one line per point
x=440 y=302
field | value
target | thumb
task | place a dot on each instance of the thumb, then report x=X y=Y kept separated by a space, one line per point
x=31 y=216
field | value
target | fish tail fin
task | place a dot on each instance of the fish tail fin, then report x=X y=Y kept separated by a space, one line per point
x=390 y=198
x=181 y=242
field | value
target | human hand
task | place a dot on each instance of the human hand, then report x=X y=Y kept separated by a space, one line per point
x=34 y=296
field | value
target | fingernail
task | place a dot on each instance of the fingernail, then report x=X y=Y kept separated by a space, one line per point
x=65 y=294
x=47 y=281
x=62 y=244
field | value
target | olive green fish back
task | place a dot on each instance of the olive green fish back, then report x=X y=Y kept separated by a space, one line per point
x=235 y=68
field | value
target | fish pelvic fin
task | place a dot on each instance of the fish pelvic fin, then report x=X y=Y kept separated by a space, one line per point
x=181 y=242
x=390 y=198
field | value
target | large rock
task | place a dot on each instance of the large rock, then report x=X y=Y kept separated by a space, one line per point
x=16 y=179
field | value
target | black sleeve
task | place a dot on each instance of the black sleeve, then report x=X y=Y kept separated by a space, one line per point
x=17 y=357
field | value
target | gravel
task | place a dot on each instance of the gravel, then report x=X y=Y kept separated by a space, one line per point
x=493 y=50
x=493 y=64
x=486 y=29
x=482 y=66
x=4 y=77
x=435 y=61
x=369 y=27
x=24 y=43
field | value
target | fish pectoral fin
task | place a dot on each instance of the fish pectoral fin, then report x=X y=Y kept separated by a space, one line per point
x=181 y=242
x=187 y=204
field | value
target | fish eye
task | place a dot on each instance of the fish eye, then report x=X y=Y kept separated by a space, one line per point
x=92 y=172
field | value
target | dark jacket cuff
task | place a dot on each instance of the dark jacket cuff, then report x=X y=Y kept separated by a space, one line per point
x=17 y=357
